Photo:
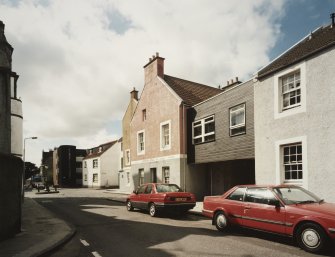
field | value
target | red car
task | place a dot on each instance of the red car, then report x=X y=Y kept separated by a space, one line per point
x=287 y=210
x=155 y=197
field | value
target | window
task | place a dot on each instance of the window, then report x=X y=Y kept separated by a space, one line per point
x=237 y=195
x=141 y=176
x=166 y=175
x=95 y=177
x=140 y=142
x=85 y=177
x=128 y=157
x=148 y=189
x=237 y=120
x=95 y=163
x=259 y=195
x=128 y=177
x=100 y=149
x=85 y=164
x=204 y=130
x=165 y=134
x=290 y=90
x=292 y=161
x=141 y=190
x=144 y=114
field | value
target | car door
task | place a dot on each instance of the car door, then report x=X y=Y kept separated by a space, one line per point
x=234 y=206
x=137 y=199
x=146 y=196
x=260 y=214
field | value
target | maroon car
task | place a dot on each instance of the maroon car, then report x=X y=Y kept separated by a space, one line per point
x=287 y=210
x=155 y=197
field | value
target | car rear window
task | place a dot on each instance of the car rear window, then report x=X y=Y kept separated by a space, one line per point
x=162 y=188
x=237 y=195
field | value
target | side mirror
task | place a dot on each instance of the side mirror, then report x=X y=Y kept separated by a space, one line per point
x=274 y=202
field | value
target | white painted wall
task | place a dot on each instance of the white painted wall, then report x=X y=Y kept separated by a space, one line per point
x=314 y=124
x=16 y=128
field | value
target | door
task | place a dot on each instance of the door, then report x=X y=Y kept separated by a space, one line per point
x=259 y=214
x=153 y=174
x=137 y=199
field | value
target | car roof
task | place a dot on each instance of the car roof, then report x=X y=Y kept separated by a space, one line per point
x=267 y=186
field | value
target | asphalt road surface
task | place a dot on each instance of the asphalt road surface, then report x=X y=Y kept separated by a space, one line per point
x=105 y=228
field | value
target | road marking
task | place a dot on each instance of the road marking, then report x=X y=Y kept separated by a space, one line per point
x=84 y=242
x=96 y=254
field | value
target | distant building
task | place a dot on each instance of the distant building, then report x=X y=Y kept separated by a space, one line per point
x=126 y=179
x=102 y=164
x=67 y=166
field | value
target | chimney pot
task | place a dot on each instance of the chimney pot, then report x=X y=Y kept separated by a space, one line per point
x=231 y=81
x=153 y=57
x=227 y=82
x=157 y=54
x=236 y=79
x=150 y=59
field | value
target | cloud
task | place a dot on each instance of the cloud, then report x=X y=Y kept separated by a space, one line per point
x=78 y=60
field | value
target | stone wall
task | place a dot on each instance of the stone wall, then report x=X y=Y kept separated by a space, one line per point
x=10 y=195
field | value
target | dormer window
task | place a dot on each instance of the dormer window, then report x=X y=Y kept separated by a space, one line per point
x=100 y=149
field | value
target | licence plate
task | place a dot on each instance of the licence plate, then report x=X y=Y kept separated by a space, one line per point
x=181 y=199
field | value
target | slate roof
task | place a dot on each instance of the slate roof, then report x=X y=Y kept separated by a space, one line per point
x=319 y=40
x=95 y=151
x=190 y=92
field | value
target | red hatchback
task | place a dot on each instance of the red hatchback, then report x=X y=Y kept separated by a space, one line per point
x=287 y=210
x=156 y=196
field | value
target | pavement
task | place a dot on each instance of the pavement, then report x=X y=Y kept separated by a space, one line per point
x=42 y=231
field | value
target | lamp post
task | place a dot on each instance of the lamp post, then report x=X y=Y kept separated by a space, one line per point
x=24 y=164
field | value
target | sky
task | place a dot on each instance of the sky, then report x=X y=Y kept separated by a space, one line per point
x=78 y=60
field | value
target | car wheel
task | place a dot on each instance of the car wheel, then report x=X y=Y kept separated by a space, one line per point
x=221 y=221
x=311 y=237
x=129 y=206
x=152 y=210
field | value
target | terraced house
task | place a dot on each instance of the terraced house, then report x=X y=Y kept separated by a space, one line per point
x=221 y=141
x=294 y=116
x=158 y=129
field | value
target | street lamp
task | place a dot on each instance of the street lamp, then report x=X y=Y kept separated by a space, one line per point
x=24 y=164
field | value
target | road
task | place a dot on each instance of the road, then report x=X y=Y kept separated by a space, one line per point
x=105 y=228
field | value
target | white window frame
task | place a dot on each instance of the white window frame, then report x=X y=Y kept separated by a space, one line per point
x=280 y=172
x=201 y=123
x=140 y=177
x=139 y=150
x=95 y=175
x=166 y=174
x=95 y=163
x=238 y=125
x=279 y=110
x=164 y=147
x=127 y=155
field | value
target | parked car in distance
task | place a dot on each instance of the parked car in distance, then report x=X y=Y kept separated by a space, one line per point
x=287 y=210
x=155 y=197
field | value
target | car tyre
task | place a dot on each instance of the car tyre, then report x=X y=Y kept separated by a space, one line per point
x=152 y=210
x=311 y=237
x=221 y=221
x=129 y=206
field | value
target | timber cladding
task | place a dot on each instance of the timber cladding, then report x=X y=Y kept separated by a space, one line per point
x=226 y=147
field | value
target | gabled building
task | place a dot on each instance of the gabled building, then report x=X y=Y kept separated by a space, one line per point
x=158 y=129
x=125 y=178
x=221 y=138
x=102 y=164
x=294 y=116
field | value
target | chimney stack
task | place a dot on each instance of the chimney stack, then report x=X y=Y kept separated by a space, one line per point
x=154 y=68
x=231 y=83
x=332 y=16
x=134 y=94
x=2 y=27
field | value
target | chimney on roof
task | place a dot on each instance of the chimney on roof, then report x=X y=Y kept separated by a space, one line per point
x=134 y=94
x=332 y=16
x=231 y=83
x=154 y=68
x=2 y=27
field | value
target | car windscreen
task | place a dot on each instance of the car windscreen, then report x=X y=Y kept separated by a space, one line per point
x=162 y=188
x=296 y=195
